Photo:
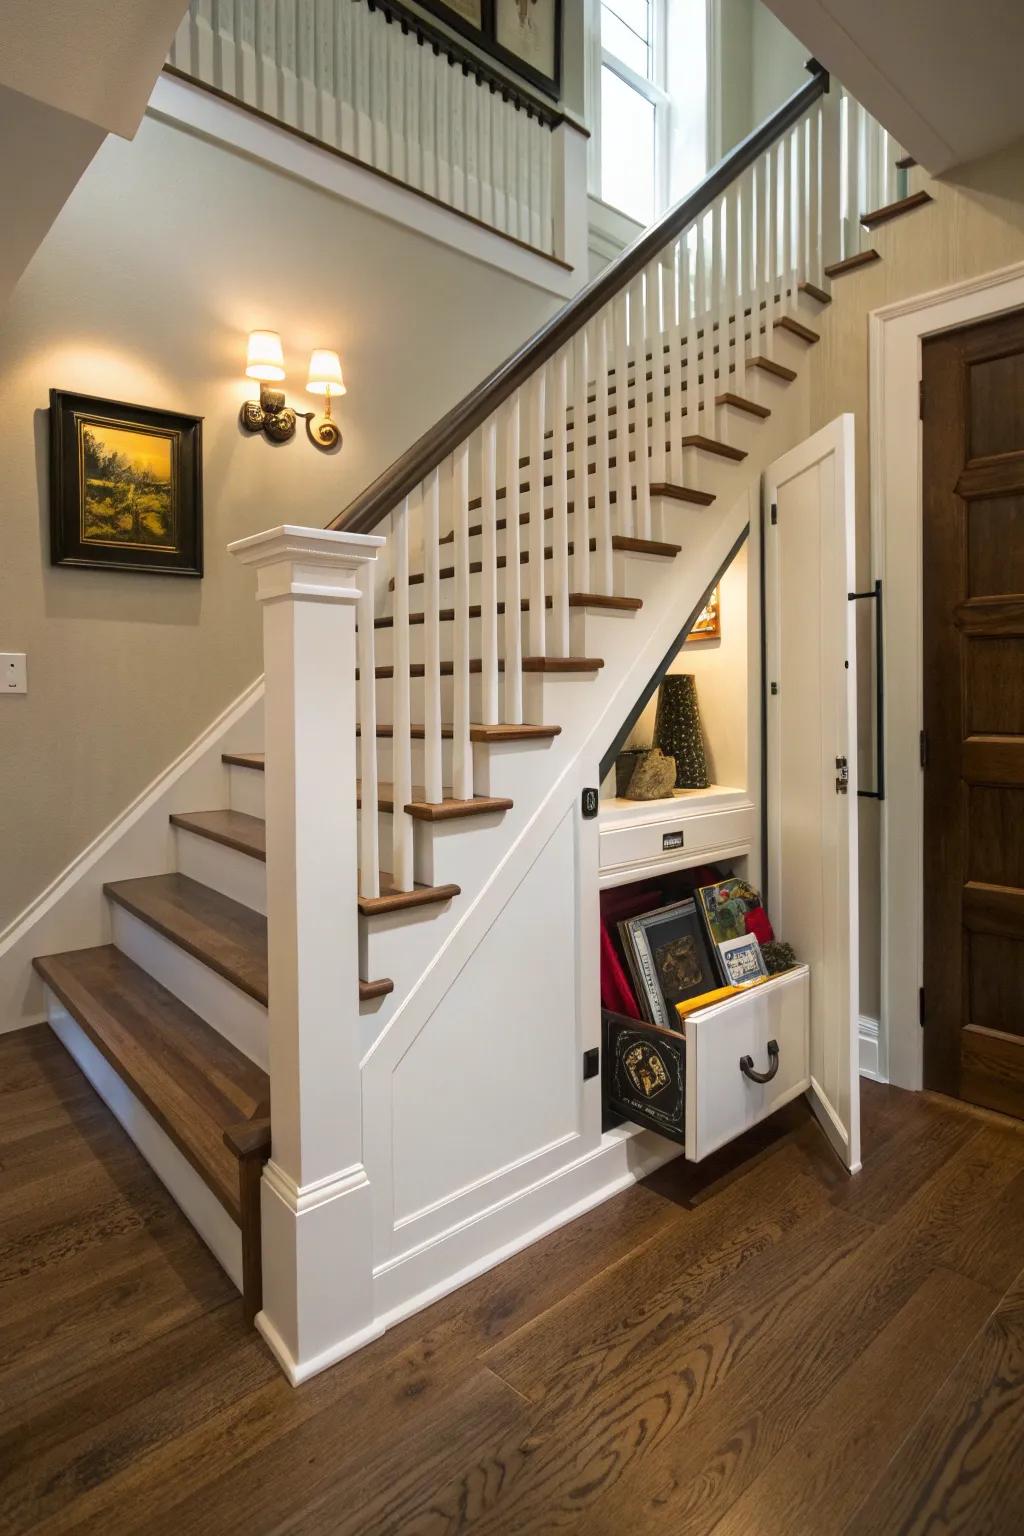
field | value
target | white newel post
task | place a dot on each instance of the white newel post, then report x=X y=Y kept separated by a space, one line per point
x=317 y=1248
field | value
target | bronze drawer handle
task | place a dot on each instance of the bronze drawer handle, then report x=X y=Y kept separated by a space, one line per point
x=747 y=1065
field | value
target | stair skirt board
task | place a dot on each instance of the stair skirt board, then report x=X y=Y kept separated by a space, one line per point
x=410 y=1281
x=225 y=1007
x=199 y=1204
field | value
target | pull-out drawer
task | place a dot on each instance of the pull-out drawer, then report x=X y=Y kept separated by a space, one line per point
x=736 y=1063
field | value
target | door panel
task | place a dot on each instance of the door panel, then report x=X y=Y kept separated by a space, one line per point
x=973 y=687
x=811 y=723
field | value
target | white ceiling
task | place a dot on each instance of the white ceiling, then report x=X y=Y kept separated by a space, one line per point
x=944 y=76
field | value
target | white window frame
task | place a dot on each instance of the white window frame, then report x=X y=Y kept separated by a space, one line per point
x=653 y=90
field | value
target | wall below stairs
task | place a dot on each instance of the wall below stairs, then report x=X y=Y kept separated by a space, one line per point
x=168 y=252
x=976 y=225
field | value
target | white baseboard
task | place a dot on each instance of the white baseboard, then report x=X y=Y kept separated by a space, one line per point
x=414 y=1280
x=867 y=1034
x=71 y=912
x=179 y=1178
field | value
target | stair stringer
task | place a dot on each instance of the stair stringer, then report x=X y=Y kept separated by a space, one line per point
x=446 y=1209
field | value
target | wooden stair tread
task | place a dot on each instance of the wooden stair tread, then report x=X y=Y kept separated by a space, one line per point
x=392 y=900
x=225 y=935
x=235 y=829
x=769 y=365
x=895 y=210
x=476 y=666
x=814 y=292
x=448 y=809
x=852 y=263
x=682 y=493
x=752 y=408
x=906 y=163
x=602 y=600
x=243 y=759
x=194 y=1083
x=797 y=328
x=562 y=663
x=712 y=445
x=482 y=733
x=631 y=546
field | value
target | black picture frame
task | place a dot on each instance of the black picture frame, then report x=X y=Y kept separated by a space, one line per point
x=486 y=37
x=148 y=516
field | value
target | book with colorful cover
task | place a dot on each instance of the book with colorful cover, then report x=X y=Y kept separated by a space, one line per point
x=725 y=908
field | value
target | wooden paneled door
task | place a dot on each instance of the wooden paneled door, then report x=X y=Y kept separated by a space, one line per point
x=973 y=570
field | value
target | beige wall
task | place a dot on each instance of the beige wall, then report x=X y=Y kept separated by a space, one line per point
x=167 y=253
x=976 y=226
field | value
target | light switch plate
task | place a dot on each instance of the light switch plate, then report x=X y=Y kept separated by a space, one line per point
x=13 y=672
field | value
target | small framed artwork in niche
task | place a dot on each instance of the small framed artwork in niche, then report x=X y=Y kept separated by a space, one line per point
x=708 y=624
x=125 y=486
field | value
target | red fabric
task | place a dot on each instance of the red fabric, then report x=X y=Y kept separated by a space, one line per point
x=757 y=923
x=616 y=991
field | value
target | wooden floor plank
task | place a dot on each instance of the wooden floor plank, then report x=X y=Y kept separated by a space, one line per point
x=745 y=1345
x=960 y=1469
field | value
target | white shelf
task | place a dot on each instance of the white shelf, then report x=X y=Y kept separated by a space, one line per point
x=719 y=822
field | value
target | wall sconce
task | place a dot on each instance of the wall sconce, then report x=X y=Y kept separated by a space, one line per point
x=269 y=414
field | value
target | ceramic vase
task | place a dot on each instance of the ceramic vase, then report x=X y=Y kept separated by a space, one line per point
x=677 y=730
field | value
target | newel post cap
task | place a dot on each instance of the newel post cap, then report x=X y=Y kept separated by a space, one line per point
x=315 y=564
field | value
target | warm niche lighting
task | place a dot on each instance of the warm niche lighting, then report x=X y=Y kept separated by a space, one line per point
x=270 y=414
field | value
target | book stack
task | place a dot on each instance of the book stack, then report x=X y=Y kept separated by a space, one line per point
x=692 y=953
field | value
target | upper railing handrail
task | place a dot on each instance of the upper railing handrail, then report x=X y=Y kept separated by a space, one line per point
x=429 y=451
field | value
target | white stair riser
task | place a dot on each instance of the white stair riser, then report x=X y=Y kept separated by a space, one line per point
x=234 y=874
x=245 y=790
x=233 y=1013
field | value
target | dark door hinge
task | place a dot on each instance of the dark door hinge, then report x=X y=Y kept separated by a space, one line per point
x=591 y=1063
x=920 y=399
x=589 y=804
x=920 y=1006
x=923 y=748
x=842 y=776
x=775 y=513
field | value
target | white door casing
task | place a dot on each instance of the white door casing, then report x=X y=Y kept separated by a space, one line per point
x=811 y=693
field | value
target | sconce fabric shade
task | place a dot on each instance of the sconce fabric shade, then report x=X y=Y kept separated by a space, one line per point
x=325 y=376
x=265 y=359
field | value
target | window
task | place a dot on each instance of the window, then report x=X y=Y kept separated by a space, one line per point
x=652 y=139
x=632 y=102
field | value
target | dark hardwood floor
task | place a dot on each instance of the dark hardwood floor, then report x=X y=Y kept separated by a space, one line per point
x=759 y=1347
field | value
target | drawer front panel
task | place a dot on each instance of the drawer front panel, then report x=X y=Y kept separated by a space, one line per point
x=721 y=1100
x=644 y=842
x=645 y=1074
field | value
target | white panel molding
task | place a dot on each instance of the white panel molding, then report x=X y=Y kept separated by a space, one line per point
x=196 y=111
x=867 y=1038
x=70 y=913
x=896 y=333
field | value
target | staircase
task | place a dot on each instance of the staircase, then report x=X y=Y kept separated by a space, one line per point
x=429 y=725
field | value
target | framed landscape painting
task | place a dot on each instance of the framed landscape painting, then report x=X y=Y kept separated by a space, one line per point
x=708 y=624
x=125 y=486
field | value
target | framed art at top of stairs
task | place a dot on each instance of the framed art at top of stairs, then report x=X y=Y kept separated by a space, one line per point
x=525 y=35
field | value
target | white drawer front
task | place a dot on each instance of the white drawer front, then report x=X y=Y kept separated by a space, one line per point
x=721 y=1102
x=645 y=842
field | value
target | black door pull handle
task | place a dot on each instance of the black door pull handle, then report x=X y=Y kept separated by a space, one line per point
x=748 y=1069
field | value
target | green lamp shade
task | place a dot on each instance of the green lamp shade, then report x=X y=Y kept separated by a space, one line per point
x=677 y=730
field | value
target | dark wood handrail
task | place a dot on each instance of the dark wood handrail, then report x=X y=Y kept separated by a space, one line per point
x=396 y=482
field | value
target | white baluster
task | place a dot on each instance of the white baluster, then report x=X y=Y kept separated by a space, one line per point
x=741 y=282
x=500 y=214
x=462 y=749
x=369 y=858
x=688 y=278
x=379 y=92
x=581 y=463
x=245 y=39
x=682 y=358
x=413 y=86
x=547 y=224
x=724 y=232
x=457 y=141
x=771 y=255
x=489 y=572
x=473 y=171
x=443 y=128
x=706 y=316
x=486 y=167
x=203 y=40
x=401 y=740
x=660 y=344
x=266 y=53
x=428 y=108
x=431 y=525
x=225 y=48
x=513 y=708
x=813 y=247
x=621 y=369
x=305 y=50
x=396 y=102
x=641 y=431
x=560 y=521
x=287 y=58
x=603 y=565
x=536 y=529
x=786 y=294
